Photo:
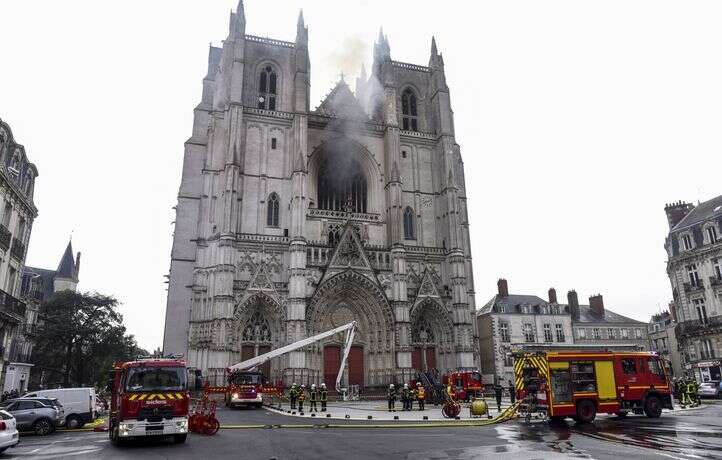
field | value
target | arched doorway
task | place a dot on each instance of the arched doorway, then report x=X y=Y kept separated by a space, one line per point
x=258 y=330
x=432 y=337
x=345 y=297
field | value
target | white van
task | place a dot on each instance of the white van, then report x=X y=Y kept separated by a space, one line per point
x=78 y=404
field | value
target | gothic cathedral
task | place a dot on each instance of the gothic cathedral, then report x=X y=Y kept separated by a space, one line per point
x=292 y=221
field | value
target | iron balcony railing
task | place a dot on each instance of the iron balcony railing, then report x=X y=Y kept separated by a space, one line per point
x=12 y=307
x=18 y=249
x=699 y=327
x=691 y=287
x=5 y=237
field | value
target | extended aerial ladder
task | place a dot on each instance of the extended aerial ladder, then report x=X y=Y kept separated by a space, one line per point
x=349 y=328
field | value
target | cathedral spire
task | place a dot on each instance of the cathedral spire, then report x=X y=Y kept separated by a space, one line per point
x=301 y=30
x=434 y=52
x=301 y=24
x=237 y=26
x=241 y=11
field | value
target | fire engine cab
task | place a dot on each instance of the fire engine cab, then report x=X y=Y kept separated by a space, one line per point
x=245 y=388
x=580 y=384
x=149 y=397
x=465 y=384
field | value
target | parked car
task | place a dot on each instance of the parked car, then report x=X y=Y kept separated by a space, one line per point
x=32 y=415
x=9 y=436
x=711 y=389
x=78 y=404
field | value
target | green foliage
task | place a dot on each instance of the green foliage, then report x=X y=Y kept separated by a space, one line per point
x=82 y=336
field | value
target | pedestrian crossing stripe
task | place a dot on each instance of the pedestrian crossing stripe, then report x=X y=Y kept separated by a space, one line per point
x=152 y=396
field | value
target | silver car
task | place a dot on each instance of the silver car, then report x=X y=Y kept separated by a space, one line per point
x=33 y=415
x=711 y=389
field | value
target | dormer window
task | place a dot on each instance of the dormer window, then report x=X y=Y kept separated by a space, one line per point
x=687 y=241
x=710 y=234
x=409 y=113
x=267 y=88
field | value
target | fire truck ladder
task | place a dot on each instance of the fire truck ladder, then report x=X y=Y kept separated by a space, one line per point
x=349 y=329
x=434 y=388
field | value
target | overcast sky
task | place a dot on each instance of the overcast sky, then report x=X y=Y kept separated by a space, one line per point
x=577 y=121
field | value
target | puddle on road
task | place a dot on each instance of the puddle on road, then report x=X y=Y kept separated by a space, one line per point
x=669 y=436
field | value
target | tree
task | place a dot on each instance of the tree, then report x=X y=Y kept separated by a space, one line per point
x=82 y=335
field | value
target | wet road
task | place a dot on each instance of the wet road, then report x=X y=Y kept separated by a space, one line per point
x=694 y=434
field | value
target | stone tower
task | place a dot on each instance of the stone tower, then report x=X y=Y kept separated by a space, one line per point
x=291 y=221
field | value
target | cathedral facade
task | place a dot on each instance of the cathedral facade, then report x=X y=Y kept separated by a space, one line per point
x=291 y=221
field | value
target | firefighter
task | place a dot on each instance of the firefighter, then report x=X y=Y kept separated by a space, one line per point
x=293 y=395
x=313 y=398
x=498 y=389
x=407 y=397
x=391 y=396
x=324 y=397
x=301 y=397
x=512 y=392
x=420 y=395
x=692 y=388
x=450 y=391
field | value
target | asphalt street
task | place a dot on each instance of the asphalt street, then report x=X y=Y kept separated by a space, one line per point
x=693 y=434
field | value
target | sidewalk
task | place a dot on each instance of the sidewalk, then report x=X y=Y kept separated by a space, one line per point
x=378 y=410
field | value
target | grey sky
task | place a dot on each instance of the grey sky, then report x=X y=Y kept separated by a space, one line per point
x=577 y=121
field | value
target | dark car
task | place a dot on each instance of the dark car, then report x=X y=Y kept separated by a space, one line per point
x=33 y=415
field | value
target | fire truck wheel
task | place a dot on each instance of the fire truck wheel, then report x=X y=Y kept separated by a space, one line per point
x=180 y=438
x=586 y=411
x=653 y=407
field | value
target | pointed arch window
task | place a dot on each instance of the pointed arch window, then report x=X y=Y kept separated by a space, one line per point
x=273 y=209
x=409 y=113
x=408 y=223
x=267 y=91
x=341 y=185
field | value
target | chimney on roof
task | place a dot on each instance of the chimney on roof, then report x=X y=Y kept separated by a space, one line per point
x=552 y=295
x=503 y=287
x=596 y=304
x=573 y=302
x=676 y=212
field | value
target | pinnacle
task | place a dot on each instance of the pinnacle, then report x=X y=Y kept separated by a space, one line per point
x=433 y=46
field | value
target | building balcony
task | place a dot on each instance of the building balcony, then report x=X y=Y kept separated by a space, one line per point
x=715 y=282
x=30 y=329
x=5 y=237
x=696 y=327
x=18 y=249
x=690 y=288
x=11 y=308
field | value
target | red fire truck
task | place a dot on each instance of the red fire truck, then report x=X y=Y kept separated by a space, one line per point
x=149 y=397
x=580 y=384
x=466 y=384
x=247 y=386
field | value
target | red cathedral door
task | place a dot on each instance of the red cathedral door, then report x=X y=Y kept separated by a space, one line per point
x=416 y=361
x=430 y=357
x=331 y=362
x=356 y=366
